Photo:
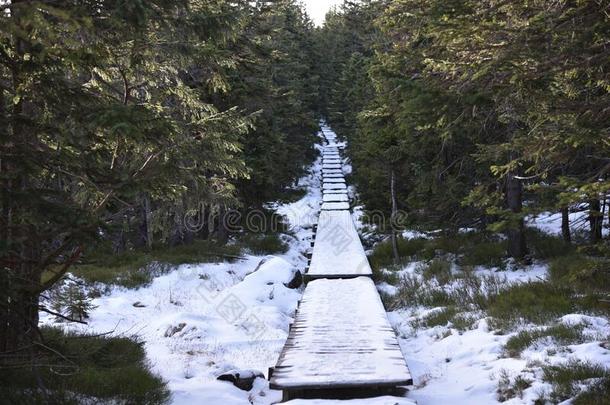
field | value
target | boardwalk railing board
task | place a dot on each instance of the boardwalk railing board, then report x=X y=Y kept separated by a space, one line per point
x=340 y=338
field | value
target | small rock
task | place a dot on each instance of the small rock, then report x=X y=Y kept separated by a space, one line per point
x=296 y=281
x=172 y=330
x=138 y=304
x=242 y=379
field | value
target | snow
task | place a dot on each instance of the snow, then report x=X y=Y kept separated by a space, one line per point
x=329 y=206
x=335 y=198
x=334 y=186
x=550 y=222
x=344 y=323
x=385 y=400
x=199 y=321
x=463 y=367
x=334 y=180
x=337 y=249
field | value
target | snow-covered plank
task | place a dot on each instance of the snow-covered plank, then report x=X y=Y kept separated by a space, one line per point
x=341 y=338
x=329 y=206
x=334 y=180
x=335 y=197
x=331 y=171
x=333 y=186
x=337 y=248
x=333 y=176
x=332 y=165
x=331 y=192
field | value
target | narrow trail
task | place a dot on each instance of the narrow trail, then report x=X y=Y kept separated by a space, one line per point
x=341 y=343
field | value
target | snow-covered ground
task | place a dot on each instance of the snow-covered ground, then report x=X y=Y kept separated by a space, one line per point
x=199 y=321
x=550 y=222
x=463 y=367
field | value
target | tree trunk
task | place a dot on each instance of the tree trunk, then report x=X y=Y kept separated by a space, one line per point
x=222 y=233
x=517 y=248
x=392 y=216
x=19 y=321
x=148 y=229
x=20 y=275
x=565 y=225
x=595 y=221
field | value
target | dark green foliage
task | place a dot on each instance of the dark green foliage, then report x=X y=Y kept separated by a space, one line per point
x=560 y=333
x=137 y=126
x=583 y=273
x=596 y=393
x=567 y=380
x=508 y=389
x=263 y=244
x=137 y=268
x=481 y=112
x=407 y=248
x=75 y=368
x=439 y=269
x=472 y=249
x=484 y=253
x=535 y=302
x=438 y=318
x=544 y=246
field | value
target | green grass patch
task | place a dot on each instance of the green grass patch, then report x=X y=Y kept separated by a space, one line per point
x=76 y=368
x=137 y=268
x=484 y=253
x=511 y=388
x=463 y=321
x=535 y=302
x=438 y=269
x=588 y=382
x=263 y=243
x=413 y=291
x=471 y=249
x=583 y=273
x=383 y=255
x=560 y=333
x=291 y=195
x=441 y=317
x=544 y=246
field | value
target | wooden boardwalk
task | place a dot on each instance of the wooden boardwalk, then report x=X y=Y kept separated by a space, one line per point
x=341 y=339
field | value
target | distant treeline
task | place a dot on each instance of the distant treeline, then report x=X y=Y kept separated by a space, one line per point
x=470 y=113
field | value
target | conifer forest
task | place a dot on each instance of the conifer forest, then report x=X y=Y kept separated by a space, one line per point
x=162 y=158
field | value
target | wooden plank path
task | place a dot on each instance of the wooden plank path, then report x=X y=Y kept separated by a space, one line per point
x=341 y=339
x=337 y=250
